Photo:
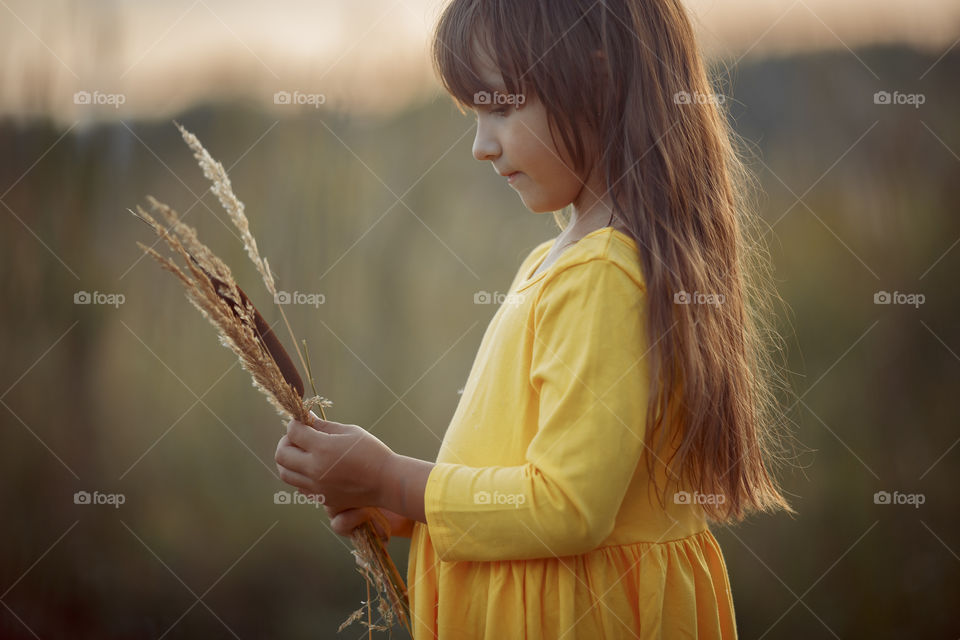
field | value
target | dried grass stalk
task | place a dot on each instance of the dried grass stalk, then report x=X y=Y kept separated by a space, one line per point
x=210 y=287
x=222 y=188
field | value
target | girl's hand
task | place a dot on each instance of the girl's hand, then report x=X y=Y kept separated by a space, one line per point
x=385 y=522
x=343 y=463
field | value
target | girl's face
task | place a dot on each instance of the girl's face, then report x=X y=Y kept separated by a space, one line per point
x=516 y=138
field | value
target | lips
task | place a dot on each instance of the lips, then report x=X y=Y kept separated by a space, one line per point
x=511 y=176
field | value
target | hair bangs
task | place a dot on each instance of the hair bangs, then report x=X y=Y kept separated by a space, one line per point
x=463 y=34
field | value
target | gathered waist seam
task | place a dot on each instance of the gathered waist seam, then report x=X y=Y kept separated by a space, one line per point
x=654 y=542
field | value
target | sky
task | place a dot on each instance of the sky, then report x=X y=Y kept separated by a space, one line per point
x=367 y=57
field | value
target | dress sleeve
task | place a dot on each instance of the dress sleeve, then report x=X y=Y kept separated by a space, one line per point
x=589 y=369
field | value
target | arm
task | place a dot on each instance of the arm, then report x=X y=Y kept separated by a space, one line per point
x=403 y=482
x=589 y=371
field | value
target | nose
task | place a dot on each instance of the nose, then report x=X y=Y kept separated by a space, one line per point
x=485 y=146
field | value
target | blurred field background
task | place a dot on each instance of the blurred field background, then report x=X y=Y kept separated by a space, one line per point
x=373 y=200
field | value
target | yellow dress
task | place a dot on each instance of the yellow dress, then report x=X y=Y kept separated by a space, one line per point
x=539 y=521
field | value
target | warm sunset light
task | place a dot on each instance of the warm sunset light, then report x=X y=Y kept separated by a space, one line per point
x=364 y=57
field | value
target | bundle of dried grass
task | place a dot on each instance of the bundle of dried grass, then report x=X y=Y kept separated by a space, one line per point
x=211 y=288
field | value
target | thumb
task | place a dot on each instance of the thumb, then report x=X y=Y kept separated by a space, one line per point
x=326 y=426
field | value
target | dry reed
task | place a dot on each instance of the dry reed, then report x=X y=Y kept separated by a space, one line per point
x=211 y=288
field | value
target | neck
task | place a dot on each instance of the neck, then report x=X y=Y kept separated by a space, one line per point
x=590 y=210
x=598 y=214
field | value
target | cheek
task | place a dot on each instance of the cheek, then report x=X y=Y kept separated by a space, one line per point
x=549 y=191
x=550 y=184
x=546 y=159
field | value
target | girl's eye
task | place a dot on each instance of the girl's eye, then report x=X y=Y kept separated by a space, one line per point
x=498 y=111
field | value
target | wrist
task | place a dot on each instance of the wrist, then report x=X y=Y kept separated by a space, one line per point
x=402 y=485
x=387 y=484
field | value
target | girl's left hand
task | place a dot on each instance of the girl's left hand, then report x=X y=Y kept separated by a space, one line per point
x=343 y=463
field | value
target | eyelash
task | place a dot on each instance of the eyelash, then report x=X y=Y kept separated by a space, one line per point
x=502 y=111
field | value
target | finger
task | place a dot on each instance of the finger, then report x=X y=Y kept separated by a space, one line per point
x=328 y=427
x=284 y=443
x=333 y=511
x=347 y=521
x=296 y=479
x=292 y=457
x=302 y=435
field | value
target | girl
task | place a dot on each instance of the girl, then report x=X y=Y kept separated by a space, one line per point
x=622 y=394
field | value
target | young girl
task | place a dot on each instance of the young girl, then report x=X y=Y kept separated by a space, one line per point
x=622 y=394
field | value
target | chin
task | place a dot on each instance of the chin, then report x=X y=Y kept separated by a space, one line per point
x=538 y=209
x=543 y=207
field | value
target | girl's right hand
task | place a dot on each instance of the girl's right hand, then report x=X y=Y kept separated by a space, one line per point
x=385 y=522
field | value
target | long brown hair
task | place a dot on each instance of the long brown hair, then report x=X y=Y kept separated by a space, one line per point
x=629 y=74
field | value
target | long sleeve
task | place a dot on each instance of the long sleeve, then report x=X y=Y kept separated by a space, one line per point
x=590 y=376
